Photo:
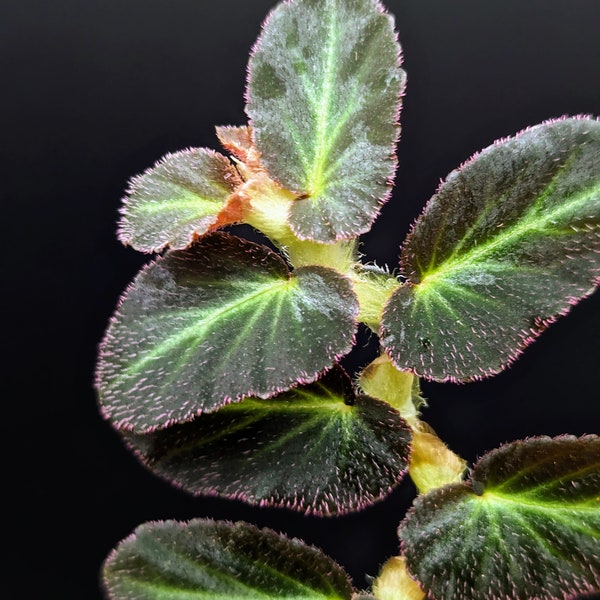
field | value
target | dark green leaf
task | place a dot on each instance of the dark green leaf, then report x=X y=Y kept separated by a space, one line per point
x=317 y=448
x=213 y=324
x=184 y=195
x=510 y=241
x=324 y=94
x=215 y=560
x=527 y=525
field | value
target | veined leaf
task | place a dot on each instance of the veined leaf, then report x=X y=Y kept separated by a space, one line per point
x=183 y=196
x=510 y=241
x=217 y=560
x=527 y=525
x=324 y=92
x=221 y=321
x=316 y=448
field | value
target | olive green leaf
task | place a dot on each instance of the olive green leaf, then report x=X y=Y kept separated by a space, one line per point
x=324 y=92
x=510 y=241
x=526 y=525
x=317 y=448
x=218 y=322
x=216 y=560
x=184 y=195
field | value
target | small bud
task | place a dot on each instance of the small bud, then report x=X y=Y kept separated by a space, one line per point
x=432 y=463
x=382 y=380
x=394 y=582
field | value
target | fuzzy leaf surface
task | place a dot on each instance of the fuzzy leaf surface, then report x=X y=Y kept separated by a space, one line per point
x=324 y=92
x=510 y=241
x=220 y=321
x=182 y=196
x=204 y=559
x=526 y=525
x=316 y=448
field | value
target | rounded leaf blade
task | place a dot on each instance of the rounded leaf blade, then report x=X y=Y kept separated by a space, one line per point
x=218 y=560
x=220 y=321
x=184 y=195
x=526 y=525
x=317 y=448
x=323 y=97
x=510 y=241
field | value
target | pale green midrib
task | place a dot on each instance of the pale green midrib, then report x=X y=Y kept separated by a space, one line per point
x=542 y=542
x=287 y=406
x=242 y=334
x=592 y=505
x=326 y=141
x=198 y=594
x=508 y=555
x=290 y=434
x=550 y=187
x=334 y=397
x=531 y=221
x=219 y=574
x=203 y=569
x=207 y=205
x=315 y=177
x=263 y=408
x=298 y=584
x=195 y=330
x=349 y=111
x=431 y=308
x=537 y=466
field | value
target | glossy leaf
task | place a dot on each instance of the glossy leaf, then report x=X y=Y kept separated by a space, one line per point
x=526 y=525
x=216 y=560
x=221 y=321
x=324 y=92
x=510 y=241
x=182 y=196
x=317 y=448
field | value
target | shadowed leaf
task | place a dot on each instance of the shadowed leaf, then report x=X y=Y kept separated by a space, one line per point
x=184 y=195
x=216 y=560
x=323 y=96
x=317 y=448
x=510 y=241
x=526 y=525
x=213 y=324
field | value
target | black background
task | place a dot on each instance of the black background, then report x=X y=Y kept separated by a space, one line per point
x=95 y=91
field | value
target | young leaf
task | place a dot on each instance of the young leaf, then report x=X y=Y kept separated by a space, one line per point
x=237 y=140
x=509 y=242
x=221 y=321
x=317 y=448
x=527 y=525
x=183 y=196
x=217 y=560
x=323 y=95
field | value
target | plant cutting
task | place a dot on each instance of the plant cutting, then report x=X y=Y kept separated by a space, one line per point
x=221 y=365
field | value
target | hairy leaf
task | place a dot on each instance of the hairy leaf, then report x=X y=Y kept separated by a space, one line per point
x=527 y=525
x=510 y=241
x=184 y=195
x=217 y=560
x=317 y=448
x=237 y=140
x=323 y=94
x=213 y=324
